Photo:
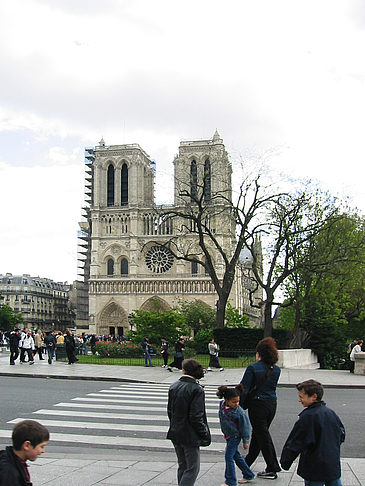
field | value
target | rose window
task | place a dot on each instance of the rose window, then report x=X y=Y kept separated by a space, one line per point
x=159 y=259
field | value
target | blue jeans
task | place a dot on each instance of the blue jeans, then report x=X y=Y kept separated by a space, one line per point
x=333 y=482
x=232 y=456
x=147 y=357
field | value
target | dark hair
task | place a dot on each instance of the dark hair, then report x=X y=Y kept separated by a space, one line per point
x=193 y=368
x=268 y=351
x=68 y=332
x=229 y=392
x=310 y=387
x=29 y=430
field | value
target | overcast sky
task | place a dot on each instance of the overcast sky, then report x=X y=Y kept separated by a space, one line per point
x=281 y=80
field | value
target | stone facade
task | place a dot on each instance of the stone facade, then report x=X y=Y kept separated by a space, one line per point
x=123 y=261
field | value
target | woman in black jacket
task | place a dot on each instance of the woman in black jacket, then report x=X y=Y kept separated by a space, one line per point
x=70 y=347
x=259 y=382
x=188 y=421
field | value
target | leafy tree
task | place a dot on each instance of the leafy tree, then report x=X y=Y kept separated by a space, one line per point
x=9 y=319
x=234 y=319
x=198 y=315
x=170 y=324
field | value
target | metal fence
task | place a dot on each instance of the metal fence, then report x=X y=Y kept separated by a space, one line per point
x=237 y=358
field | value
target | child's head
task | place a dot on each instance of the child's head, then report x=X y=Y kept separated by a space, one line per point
x=193 y=368
x=309 y=391
x=29 y=439
x=231 y=395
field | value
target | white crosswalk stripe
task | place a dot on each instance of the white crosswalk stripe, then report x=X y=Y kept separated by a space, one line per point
x=126 y=416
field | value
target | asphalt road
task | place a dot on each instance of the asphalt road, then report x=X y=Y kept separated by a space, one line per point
x=22 y=396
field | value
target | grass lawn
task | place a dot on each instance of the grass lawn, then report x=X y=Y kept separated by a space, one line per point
x=239 y=362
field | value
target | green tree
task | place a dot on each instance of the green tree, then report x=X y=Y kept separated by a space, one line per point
x=234 y=319
x=9 y=319
x=170 y=324
x=197 y=315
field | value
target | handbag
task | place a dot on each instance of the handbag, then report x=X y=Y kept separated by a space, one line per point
x=255 y=389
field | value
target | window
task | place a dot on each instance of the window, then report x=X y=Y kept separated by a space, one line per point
x=124 y=185
x=110 y=186
x=124 y=266
x=110 y=266
x=193 y=181
x=207 y=181
x=194 y=268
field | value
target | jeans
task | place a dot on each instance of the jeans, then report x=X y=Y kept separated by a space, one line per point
x=188 y=458
x=232 y=456
x=14 y=353
x=261 y=413
x=333 y=482
x=50 y=352
x=147 y=357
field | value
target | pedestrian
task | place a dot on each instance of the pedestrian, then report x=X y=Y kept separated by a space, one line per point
x=93 y=341
x=23 y=334
x=316 y=437
x=356 y=349
x=59 y=338
x=27 y=345
x=70 y=347
x=14 y=338
x=188 y=422
x=164 y=351
x=146 y=350
x=50 y=343
x=179 y=356
x=236 y=428
x=38 y=342
x=213 y=356
x=29 y=439
x=259 y=397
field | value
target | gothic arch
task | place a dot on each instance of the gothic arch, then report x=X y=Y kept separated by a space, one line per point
x=110 y=185
x=155 y=304
x=112 y=315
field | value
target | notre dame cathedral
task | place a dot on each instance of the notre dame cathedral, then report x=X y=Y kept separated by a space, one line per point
x=124 y=266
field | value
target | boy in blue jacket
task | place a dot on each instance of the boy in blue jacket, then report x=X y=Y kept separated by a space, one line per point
x=235 y=427
x=317 y=437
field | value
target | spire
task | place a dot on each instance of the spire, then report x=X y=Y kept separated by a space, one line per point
x=216 y=137
x=102 y=143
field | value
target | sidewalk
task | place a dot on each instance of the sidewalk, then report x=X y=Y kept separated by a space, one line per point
x=139 y=468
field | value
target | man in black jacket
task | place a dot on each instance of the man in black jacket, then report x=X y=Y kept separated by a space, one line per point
x=188 y=421
x=29 y=439
x=14 y=338
x=317 y=437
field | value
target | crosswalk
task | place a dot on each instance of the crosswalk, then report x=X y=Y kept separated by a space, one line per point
x=128 y=415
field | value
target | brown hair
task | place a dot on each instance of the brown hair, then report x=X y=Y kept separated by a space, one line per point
x=229 y=392
x=29 y=430
x=268 y=351
x=310 y=387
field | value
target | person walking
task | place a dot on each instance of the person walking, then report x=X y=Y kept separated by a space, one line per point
x=164 y=351
x=213 y=356
x=38 y=342
x=259 y=382
x=317 y=437
x=50 y=343
x=179 y=356
x=14 y=339
x=27 y=344
x=235 y=427
x=188 y=421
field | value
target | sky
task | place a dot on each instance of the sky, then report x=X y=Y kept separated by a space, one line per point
x=283 y=81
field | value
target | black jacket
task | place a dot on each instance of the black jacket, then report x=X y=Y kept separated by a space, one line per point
x=316 y=436
x=186 y=411
x=11 y=471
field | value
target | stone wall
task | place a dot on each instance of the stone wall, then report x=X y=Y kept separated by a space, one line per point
x=298 y=358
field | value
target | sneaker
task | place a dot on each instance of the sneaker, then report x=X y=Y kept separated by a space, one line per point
x=245 y=480
x=221 y=369
x=209 y=369
x=31 y=362
x=169 y=368
x=163 y=366
x=267 y=475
